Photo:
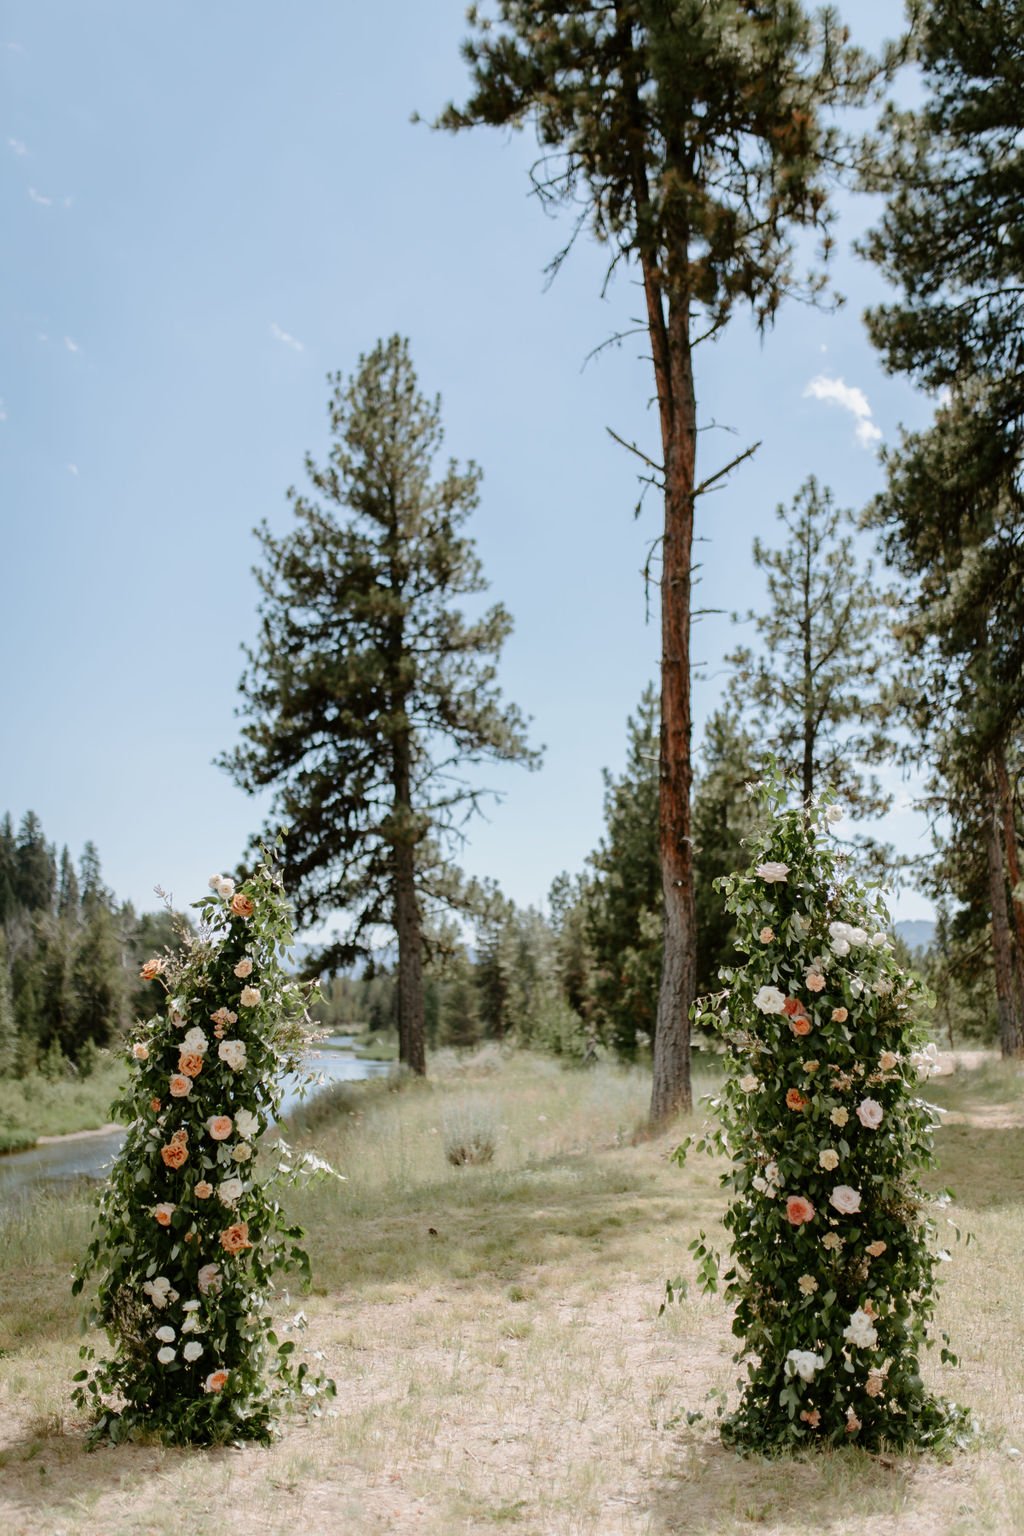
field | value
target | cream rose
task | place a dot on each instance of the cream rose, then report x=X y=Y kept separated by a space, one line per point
x=230 y=1191
x=749 y=1083
x=772 y=872
x=839 y=1116
x=250 y=997
x=232 y=1052
x=242 y=1152
x=828 y=1159
x=243 y=968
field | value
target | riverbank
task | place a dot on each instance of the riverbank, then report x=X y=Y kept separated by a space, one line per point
x=495 y=1337
x=36 y=1109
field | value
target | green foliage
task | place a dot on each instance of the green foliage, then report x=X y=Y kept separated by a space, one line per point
x=188 y=1238
x=833 y=1268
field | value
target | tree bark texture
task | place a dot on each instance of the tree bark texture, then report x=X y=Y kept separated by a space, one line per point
x=408 y=924
x=671 y=1088
x=1008 y=997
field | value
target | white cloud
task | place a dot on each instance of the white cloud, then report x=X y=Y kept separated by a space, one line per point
x=73 y=468
x=15 y=48
x=18 y=147
x=37 y=197
x=850 y=398
x=289 y=341
x=72 y=346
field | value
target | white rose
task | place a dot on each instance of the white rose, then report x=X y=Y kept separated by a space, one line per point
x=833 y=814
x=804 y=1363
x=214 y=881
x=165 y=1355
x=191 y=1323
x=870 y=1114
x=770 y=1000
x=879 y=941
x=226 y=888
x=840 y=948
x=247 y=1124
x=772 y=872
x=861 y=1333
x=749 y=1083
x=165 y=1334
x=193 y=1349
x=858 y=936
x=159 y=1291
x=230 y=1191
x=845 y=1200
x=233 y=1053
x=194 y=1042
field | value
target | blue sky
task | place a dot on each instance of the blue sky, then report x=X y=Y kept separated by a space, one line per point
x=208 y=207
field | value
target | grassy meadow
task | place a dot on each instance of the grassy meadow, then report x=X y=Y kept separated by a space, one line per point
x=495 y=1335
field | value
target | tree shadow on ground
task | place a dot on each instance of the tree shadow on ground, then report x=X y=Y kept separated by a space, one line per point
x=983 y=1165
x=713 y=1491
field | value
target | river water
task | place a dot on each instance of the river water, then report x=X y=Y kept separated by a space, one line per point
x=89 y=1157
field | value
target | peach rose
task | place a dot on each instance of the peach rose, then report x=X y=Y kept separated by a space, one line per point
x=154 y=1105
x=219 y=1127
x=852 y=1422
x=888 y=1060
x=799 y=1210
x=140 y=1051
x=874 y=1384
x=224 y=1016
x=216 y=1381
x=180 y=1085
x=250 y=997
x=209 y=1279
x=243 y=968
x=811 y=1416
x=766 y=935
x=814 y=981
x=174 y=1154
x=811 y=1066
x=236 y=1237
x=795 y=1099
x=151 y=970
x=801 y=1025
x=839 y=1015
x=190 y=1063
x=203 y=1190
x=242 y=905
x=179 y=1138
x=876 y=1249
x=163 y=1213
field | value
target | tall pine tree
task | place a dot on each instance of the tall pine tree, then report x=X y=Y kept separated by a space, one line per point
x=370 y=693
x=690 y=137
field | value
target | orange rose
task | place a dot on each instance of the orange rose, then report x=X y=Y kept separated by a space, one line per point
x=236 y=1237
x=174 y=1154
x=216 y=1381
x=242 y=906
x=799 y=1210
x=190 y=1063
x=795 y=1099
x=801 y=1025
x=181 y=1086
x=154 y=1105
x=792 y=1005
x=151 y=970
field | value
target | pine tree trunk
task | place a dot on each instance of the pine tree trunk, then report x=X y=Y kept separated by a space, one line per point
x=1008 y=999
x=408 y=923
x=1012 y=866
x=671 y=1090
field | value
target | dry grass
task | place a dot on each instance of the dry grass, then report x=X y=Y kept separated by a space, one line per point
x=500 y=1360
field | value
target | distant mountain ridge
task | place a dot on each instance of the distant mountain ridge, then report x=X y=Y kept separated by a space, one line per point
x=917 y=933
